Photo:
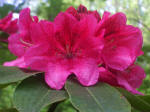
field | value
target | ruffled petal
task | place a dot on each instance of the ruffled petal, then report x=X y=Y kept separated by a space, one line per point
x=87 y=71
x=56 y=75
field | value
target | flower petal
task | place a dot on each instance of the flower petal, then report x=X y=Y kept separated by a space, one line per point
x=4 y=22
x=19 y=62
x=108 y=77
x=131 y=78
x=72 y=11
x=64 y=23
x=121 y=49
x=36 y=58
x=111 y=24
x=15 y=45
x=86 y=71
x=24 y=19
x=117 y=58
x=41 y=32
x=56 y=75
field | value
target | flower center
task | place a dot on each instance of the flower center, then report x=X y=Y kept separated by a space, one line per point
x=69 y=53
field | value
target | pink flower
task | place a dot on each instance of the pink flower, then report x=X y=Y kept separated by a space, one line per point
x=79 y=42
x=62 y=48
x=8 y=25
x=122 y=42
x=130 y=79
x=71 y=49
x=21 y=41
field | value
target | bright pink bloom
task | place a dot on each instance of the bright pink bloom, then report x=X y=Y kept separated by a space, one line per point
x=77 y=42
x=8 y=25
x=130 y=79
x=122 y=43
x=71 y=49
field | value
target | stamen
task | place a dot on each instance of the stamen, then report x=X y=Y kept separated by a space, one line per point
x=26 y=43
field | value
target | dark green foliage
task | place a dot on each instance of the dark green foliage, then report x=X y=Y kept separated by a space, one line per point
x=99 y=98
x=33 y=94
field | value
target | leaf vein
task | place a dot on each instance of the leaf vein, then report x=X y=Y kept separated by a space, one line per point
x=99 y=105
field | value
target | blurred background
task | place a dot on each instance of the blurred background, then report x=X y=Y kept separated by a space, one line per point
x=137 y=12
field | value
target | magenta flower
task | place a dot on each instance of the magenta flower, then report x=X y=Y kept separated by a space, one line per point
x=71 y=49
x=8 y=25
x=79 y=42
x=21 y=41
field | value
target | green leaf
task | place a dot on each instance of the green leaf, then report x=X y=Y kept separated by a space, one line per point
x=141 y=103
x=146 y=98
x=33 y=94
x=9 y=110
x=134 y=110
x=10 y=75
x=98 y=98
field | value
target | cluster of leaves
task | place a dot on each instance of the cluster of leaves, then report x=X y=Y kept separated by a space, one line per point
x=32 y=94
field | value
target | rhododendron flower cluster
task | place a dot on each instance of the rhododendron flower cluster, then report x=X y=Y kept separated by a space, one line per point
x=80 y=42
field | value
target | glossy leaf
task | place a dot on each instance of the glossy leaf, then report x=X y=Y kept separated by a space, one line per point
x=141 y=103
x=12 y=74
x=98 y=98
x=33 y=94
